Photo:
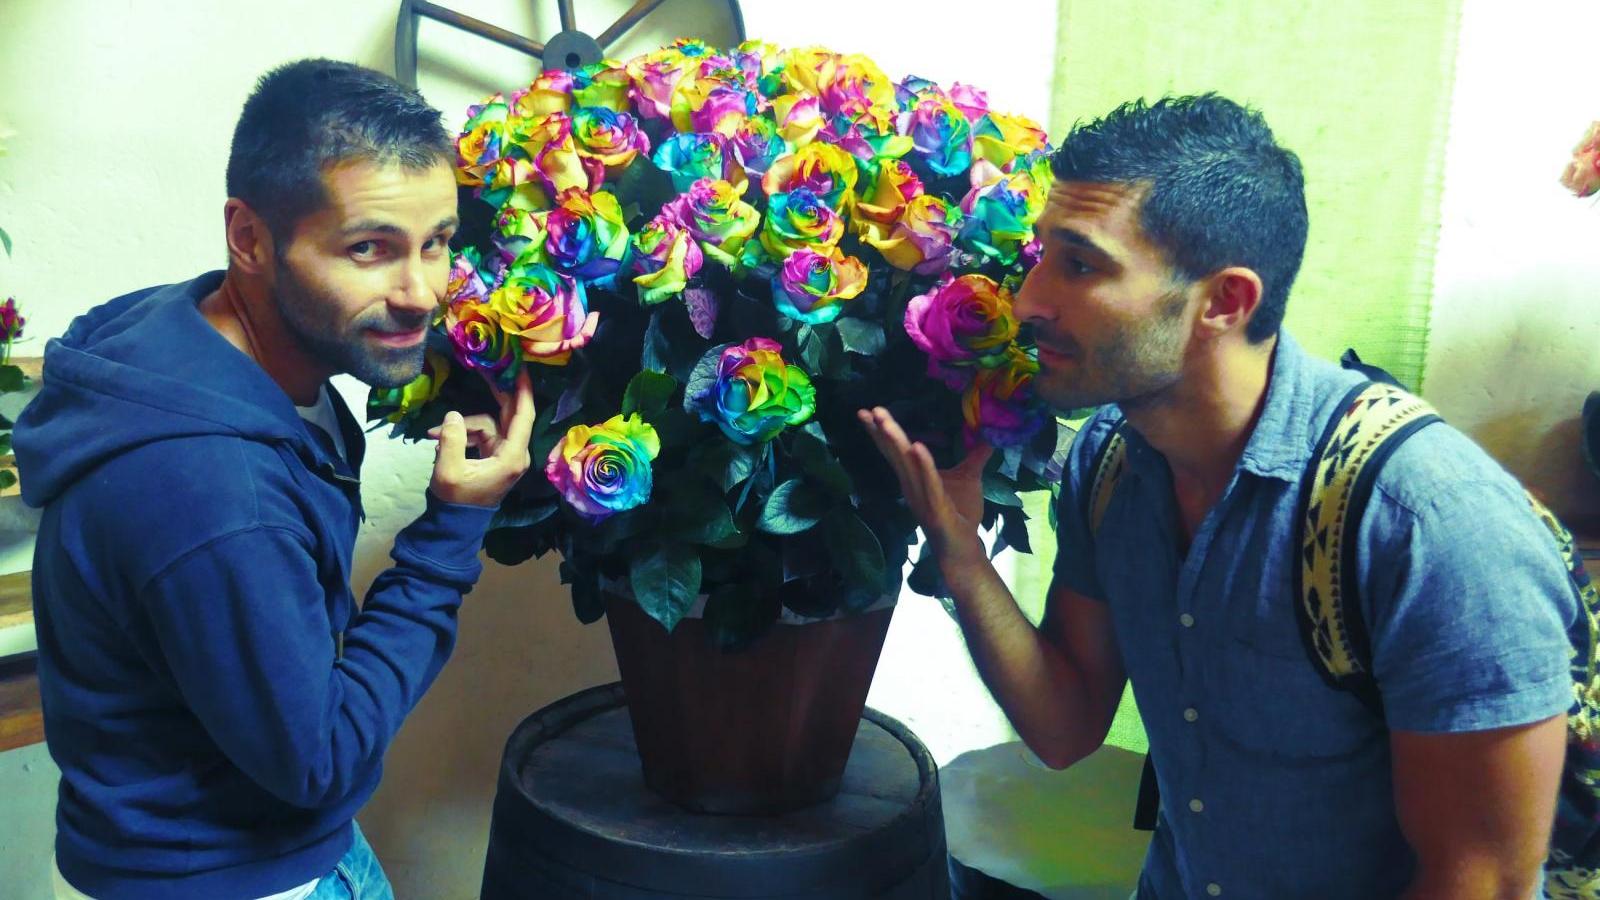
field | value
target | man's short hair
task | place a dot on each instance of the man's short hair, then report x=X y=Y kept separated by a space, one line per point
x=1220 y=191
x=308 y=115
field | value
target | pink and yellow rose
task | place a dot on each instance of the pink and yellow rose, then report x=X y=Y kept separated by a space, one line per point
x=921 y=240
x=825 y=170
x=715 y=213
x=546 y=312
x=962 y=324
x=666 y=256
x=998 y=407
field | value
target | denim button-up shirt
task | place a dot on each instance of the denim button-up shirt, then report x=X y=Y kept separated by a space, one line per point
x=1274 y=785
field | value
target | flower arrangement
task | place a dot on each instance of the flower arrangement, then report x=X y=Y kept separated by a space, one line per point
x=709 y=261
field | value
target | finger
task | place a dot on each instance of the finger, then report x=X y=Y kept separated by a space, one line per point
x=885 y=445
x=912 y=479
x=482 y=431
x=520 y=425
x=452 y=443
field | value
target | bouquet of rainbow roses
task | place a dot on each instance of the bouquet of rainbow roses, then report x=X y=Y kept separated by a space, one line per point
x=709 y=260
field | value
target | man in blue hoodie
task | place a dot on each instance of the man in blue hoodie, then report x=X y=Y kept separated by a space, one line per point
x=218 y=705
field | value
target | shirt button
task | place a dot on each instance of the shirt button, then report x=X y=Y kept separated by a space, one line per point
x=1196 y=806
x=1191 y=714
x=1214 y=889
x=1186 y=620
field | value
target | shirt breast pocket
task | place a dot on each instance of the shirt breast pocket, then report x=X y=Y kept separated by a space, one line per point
x=1278 y=708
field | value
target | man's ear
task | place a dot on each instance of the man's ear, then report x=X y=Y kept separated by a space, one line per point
x=250 y=246
x=1232 y=296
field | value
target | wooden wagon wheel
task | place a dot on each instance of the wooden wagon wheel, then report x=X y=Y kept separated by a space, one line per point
x=568 y=49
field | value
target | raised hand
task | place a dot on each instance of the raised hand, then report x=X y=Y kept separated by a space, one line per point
x=501 y=445
x=948 y=503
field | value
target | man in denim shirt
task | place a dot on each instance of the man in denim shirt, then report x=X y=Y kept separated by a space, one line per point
x=1171 y=238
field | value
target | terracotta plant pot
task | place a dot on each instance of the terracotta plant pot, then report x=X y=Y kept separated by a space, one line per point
x=760 y=731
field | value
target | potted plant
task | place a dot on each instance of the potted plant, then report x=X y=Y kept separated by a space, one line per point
x=710 y=260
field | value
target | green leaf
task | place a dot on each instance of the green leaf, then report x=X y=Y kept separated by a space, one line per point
x=665 y=581
x=522 y=517
x=1013 y=532
x=854 y=549
x=737 y=614
x=703 y=377
x=727 y=464
x=514 y=546
x=653 y=358
x=5 y=241
x=696 y=513
x=6 y=423
x=926 y=579
x=813 y=350
x=588 y=602
x=996 y=490
x=8 y=478
x=820 y=465
x=643 y=185
x=791 y=508
x=648 y=393
x=861 y=336
x=12 y=379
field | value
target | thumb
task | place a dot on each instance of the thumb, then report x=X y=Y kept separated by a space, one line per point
x=976 y=459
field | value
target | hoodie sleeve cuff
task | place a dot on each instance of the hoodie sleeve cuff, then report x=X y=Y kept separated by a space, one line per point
x=445 y=540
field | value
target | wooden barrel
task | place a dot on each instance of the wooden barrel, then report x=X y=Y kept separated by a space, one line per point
x=574 y=819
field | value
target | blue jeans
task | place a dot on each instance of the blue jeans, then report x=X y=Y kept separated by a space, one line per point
x=357 y=876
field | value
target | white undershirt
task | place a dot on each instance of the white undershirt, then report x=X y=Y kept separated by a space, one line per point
x=321 y=414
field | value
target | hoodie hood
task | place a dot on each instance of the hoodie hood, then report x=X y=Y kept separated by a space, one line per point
x=141 y=368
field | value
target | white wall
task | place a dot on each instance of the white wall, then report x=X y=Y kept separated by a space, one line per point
x=1514 y=342
x=114 y=181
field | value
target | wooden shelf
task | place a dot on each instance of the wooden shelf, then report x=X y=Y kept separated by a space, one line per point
x=21 y=711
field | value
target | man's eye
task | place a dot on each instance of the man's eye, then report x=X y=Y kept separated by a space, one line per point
x=1077 y=266
x=363 y=250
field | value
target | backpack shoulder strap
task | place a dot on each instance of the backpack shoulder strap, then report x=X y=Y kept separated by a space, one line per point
x=1110 y=463
x=1372 y=421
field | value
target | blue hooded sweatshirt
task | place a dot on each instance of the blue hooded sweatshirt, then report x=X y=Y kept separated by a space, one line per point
x=191 y=588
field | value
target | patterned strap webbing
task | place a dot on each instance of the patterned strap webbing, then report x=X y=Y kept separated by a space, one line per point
x=1376 y=419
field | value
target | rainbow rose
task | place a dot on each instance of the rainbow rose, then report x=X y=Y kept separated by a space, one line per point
x=478 y=342
x=604 y=469
x=691 y=157
x=546 y=312
x=961 y=323
x=548 y=144
x=482 y=143
x=602 y=85
x=1582 y=175
x=999 y=408
x=757 y=144
x=404 y=401
x=940 y=135
x=922 y=239
x=464 y=284
x=719 y=103
x=666 y=256
x=611 y=139
x=811 y=286
x=749 y=392
x=583 y=236
x=1000 y=215
x=823 y=169
x=799 y=219
x=11 y=319
x=719 y=219
x=889 y=186
x=971 y=101
x=550 y=92
x=1000 y=138
x=798 y=118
